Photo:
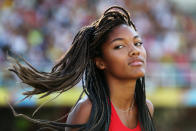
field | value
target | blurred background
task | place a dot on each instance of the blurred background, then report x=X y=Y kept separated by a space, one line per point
x=42 y=30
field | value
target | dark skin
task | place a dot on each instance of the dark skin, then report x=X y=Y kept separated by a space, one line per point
x=123 y=62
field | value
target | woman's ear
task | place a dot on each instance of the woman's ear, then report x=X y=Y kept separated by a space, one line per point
x=100 y=63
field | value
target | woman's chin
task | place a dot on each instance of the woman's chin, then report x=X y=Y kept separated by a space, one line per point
x=137 y=75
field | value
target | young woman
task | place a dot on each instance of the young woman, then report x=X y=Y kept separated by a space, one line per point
x=109 y=57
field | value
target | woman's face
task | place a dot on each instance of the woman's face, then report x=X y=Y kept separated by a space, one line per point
x=124 y=56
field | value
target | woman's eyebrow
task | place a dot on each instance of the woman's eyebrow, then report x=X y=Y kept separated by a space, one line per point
x=117 y=39
x=121 y=39
x=135 y=37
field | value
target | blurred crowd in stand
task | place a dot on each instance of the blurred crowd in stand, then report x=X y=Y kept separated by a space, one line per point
x=42 y=30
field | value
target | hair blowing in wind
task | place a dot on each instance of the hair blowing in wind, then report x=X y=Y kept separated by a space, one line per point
x=78 y=64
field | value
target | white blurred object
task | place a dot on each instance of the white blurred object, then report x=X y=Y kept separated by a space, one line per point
x=186 y=5
x=18 y=44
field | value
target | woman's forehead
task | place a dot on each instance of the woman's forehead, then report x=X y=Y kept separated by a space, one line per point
x=122 y=31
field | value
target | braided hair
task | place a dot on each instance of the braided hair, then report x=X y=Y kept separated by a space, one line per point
x=78 y=64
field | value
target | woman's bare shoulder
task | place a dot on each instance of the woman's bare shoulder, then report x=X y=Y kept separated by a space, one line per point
x=81 y=113
x=150 y=107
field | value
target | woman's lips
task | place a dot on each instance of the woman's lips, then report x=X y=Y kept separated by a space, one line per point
x=136 y=62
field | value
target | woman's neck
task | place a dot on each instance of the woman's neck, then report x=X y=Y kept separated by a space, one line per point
x=122 y=92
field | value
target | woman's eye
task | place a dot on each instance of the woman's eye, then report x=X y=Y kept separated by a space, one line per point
x=118 y=47
x=138 y=44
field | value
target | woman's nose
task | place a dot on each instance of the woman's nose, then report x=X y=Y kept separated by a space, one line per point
x=134 y=52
